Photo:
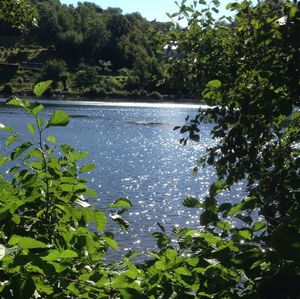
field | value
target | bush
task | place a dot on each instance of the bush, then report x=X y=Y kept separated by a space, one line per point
x=55 y=70
x=96 y=91
x=86 y=77
x=110 y=84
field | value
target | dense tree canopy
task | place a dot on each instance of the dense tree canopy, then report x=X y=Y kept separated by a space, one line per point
x=257 y=127
x=89 y=34
x=95 y=34
x=15 y=15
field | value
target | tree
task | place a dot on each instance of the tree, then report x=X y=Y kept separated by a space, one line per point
x=15 y=16
x=55 y=70
x=96 y=39
x=256 y=128
x=70 y=46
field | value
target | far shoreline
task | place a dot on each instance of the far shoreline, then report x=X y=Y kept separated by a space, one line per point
x=168 y=99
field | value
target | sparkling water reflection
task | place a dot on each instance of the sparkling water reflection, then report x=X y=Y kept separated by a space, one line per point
x=138 y=156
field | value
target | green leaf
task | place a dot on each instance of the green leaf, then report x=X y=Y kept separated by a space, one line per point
x=35 y=269
x=58 y=255
x=40 y=122
x=36 y=110
x=11 y=139
x=112 y=243
x=183 y=271
x=18 y=103
x=259 y=226
x=235 y=209
x=44 y=289
x=192 y=261
x=6 y=128
x=121 y=203
x=3 y=160
x=248 y=203
x=36 y=153
x=74 y=289
x=16 y=218
x=100 y=220
x=20 y=149
x=216 y=3
x=88 y=214
x=13 y=169
x=224 y=225
x=87 y=168
x=214 y=84
x=26 y=242
x=51 y=139
x=58 y=118
x=192 y=202
x=245 y=233
x=31 y=129
x=293 y=11
x=171 y=254
x=77 y=155
x=41 y=87
x=217 y=187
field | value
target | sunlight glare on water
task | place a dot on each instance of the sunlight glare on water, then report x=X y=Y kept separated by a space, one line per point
x=137 y=155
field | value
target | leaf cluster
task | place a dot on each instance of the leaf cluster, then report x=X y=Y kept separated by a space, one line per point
x=48 y=248
x=253 y=93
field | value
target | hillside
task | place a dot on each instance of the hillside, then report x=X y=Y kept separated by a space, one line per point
x=86 y=51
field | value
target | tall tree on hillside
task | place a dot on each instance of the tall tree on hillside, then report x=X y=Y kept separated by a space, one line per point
x=15 y=16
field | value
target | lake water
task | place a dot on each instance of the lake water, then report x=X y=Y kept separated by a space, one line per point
x=138 y=156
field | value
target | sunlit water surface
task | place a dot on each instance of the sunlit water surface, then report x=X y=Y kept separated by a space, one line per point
x=138 y=156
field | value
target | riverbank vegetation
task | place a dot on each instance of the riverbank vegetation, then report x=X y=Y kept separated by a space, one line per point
x=86 y=51
x=248 y=71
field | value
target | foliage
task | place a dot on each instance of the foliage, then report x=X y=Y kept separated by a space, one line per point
x=55 y=70
x=16 y=14
x=248 y=72
x=47 y=247
x=88 y=34
x=254 y=96
x=70 y=36
x=90 y=79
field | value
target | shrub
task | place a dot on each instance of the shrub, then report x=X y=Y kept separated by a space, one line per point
x=96 y=91
x=55 y=70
